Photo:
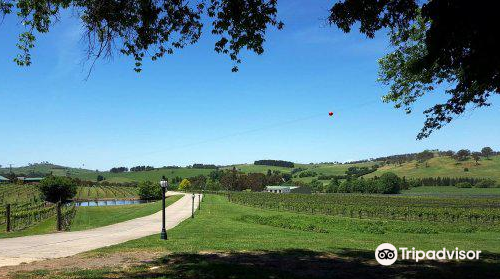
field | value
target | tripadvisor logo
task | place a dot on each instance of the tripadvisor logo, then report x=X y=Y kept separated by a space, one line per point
x=387 y=254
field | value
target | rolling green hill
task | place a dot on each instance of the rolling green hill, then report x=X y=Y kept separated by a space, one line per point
x=446 y=167
x=442 y=166
x=44 y=169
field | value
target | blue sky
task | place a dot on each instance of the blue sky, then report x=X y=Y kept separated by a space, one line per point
x=190 y=108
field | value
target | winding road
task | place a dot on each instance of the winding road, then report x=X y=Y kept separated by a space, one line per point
x=14 y=251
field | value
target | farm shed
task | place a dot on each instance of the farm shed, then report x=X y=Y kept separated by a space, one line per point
x=3 y=179
x=288 y=189
x=30 y=179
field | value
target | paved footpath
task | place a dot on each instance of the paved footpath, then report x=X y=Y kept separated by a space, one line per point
x=14 y=251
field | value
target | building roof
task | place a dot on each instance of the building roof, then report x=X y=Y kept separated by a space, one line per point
x=3 y=178
x=33 y=178
x=30 y=178
x=281 y=187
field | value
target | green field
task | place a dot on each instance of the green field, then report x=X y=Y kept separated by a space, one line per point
x=451 y=191
x=227 y=240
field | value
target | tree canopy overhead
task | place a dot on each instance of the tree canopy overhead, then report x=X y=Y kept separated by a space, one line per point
x=453 y=43
x=142 y=28
x=449 y=42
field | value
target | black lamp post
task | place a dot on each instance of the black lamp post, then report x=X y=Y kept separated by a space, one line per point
x=164 y=185
x=192 y=207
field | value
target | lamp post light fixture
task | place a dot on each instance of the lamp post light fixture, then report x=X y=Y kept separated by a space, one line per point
x=192 y=207
x=199 y=201
x=164 y=185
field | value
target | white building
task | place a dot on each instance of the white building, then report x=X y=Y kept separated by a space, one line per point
x=287 y=189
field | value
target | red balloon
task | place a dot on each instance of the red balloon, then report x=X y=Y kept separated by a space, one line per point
x=330 y=113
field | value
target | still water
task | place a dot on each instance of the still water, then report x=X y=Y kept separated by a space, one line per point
x=109 y=202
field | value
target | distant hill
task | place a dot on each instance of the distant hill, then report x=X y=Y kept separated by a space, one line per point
x=440 y=165
x=44 y=169
x=446 y=166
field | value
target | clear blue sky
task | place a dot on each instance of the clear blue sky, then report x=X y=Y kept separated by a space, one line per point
x=190 y=107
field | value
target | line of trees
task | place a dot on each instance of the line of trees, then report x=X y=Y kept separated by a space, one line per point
x=203 y=166
x=275 y=163
x=234 y=180
x=142 y=168
x=387 y=183
x=118 y=169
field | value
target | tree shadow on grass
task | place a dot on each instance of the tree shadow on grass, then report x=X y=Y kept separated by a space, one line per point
x=297 y=264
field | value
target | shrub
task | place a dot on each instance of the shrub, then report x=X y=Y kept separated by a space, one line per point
x=389 y=183
x=150 y=191
x=466 y=169
x=463 y=185
x=214 y=185
x=316 y=186
x=307 y=174
x=185 y=184
x=343 y=187
x=331 y=187
x=57 y=189
x=487 y=183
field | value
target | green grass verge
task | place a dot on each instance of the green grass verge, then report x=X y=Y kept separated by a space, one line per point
x=223 y=226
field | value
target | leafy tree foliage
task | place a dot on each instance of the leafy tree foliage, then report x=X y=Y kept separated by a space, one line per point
x=387 y=183
x=476 y=156
x=451 y=43
x=213 y=185
x=142 y=168
x=360 y=171
x=276 y=163
x=437 y=42
x=118 y=170
x=203 y=166
x=464 y=185
x=425 y=156
x=149 y=28
x=307 y=173
x=57 y=188
x=462 y=154
x=197 y=182
x=185 y=184
x=150 y=191
x=487 y=152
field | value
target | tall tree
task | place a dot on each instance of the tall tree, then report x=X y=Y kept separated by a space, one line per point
x=451 y=43
x=487 y=152
x=462 y=154
x=424 y=156
x=476 y=156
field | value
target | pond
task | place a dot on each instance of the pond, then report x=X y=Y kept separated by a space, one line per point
x=108 y=202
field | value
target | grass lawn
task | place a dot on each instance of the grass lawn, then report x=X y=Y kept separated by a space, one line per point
x=96 y=216
x=451 y=191
x=226 y=240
